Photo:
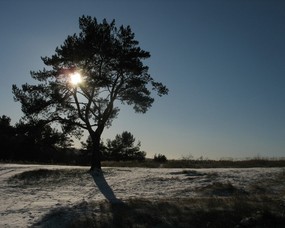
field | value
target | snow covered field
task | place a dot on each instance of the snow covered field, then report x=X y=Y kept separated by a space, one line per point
x=23 y=204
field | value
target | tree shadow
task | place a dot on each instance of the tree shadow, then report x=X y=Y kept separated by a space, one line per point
x=105 y=188
x=118 y=208
x=111 y=212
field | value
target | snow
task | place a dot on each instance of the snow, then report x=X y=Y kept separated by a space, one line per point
x=24 y=206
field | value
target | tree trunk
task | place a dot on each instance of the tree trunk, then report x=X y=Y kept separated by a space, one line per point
x=96 y=153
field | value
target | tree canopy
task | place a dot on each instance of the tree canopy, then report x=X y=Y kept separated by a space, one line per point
x=111 y=66
x=30 y=141
x=123 y=148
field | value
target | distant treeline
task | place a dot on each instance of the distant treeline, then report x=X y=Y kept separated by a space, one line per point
x=196 y=164
x=248 y=163
x=38 y=142
x=78 y=159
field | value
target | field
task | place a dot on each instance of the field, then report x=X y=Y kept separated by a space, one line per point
x=66 y=196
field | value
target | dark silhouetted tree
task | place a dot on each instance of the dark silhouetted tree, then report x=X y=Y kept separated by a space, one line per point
x=87 y=148
x=39 y=141
x=30 y=141
x=110 y=62
x=123 y=148
x=160 y=158
x=7 y=138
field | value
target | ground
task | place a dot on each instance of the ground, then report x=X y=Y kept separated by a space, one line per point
x=28 y=197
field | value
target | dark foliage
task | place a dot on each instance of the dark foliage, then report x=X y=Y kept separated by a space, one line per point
x=7 y=138
x=40 y=143
x=31 y=141
x=111 y=64
x=123 y=148
x=160 y=158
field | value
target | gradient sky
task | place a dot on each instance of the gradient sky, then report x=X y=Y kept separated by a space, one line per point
x=223 y=62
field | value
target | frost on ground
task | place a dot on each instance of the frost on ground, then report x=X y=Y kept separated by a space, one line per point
x=26 y=200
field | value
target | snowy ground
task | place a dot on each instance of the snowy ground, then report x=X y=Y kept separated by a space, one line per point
x=23 y=206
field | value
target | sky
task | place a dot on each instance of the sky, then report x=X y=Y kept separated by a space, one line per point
x=223 y=62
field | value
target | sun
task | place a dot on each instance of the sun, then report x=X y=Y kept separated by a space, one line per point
x=75 y=78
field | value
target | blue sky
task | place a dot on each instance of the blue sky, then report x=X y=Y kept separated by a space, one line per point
x=223 y=62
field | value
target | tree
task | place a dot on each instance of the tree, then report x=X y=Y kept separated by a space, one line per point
x=30 y=141
x=38 y=141
x=160 y=158
x=123 y=148
x=87 y=149
x=111 y=65
x=7 y=136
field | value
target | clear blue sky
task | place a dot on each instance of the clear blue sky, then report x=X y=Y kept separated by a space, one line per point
x=223 y=61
